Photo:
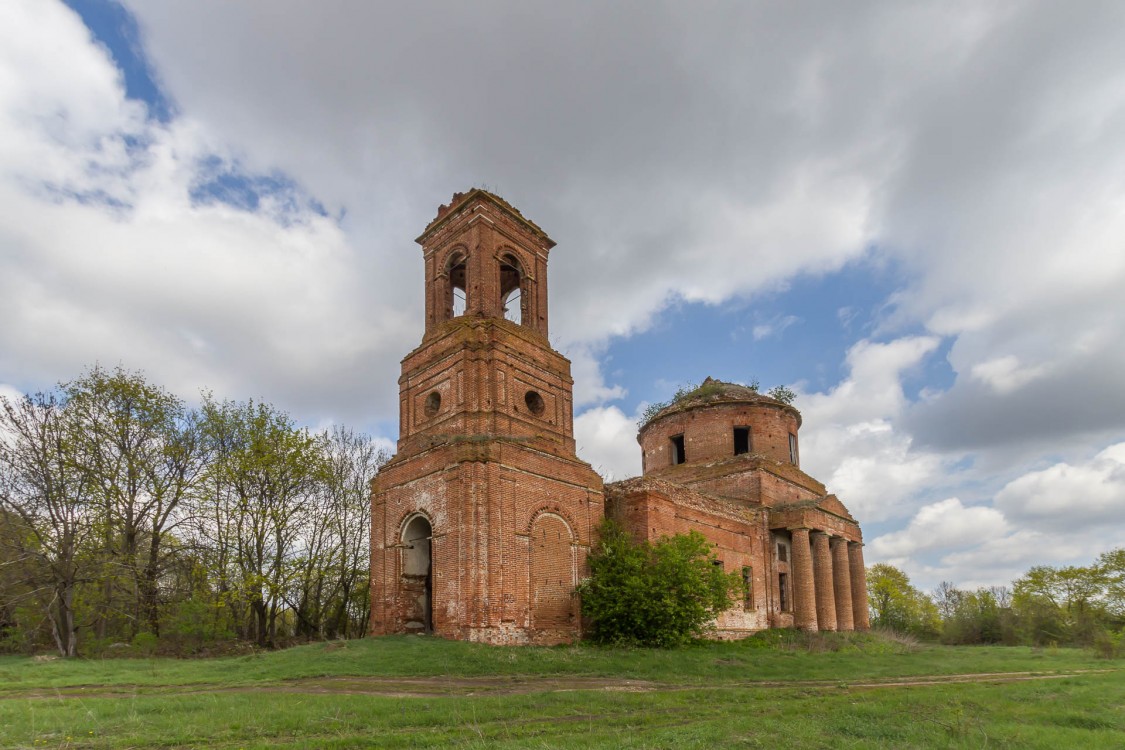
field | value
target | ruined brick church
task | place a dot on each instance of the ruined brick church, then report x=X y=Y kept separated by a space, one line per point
x=481 y=523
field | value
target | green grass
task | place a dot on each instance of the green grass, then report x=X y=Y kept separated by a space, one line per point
x=756 y=693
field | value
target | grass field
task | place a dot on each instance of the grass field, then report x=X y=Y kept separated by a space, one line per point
x=772 y=691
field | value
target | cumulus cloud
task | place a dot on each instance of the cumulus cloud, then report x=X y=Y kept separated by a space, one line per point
x=1004 y=374
x=589 y=382
x=607 y=438
x=946 y=524
x=1066 y=513
x=111 y=256
x=850 y=438
x=1071 y=497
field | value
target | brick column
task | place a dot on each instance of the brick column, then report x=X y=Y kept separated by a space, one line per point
x=842 y=578
x=804 y=598
x=825 y=598
x=859 y=586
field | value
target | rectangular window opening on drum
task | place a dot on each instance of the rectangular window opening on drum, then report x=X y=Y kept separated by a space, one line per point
x=678 y=449
x=741 y=440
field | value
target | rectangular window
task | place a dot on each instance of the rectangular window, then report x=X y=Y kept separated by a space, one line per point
x=741 y=440
x=783 y=591
x=792 y=449
x=747 y=587
x=678 y=450
x=782 y=553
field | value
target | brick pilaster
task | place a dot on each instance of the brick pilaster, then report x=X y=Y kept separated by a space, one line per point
x=842 y=578
x=804 y=587
x=859 y=586
x=825 y=598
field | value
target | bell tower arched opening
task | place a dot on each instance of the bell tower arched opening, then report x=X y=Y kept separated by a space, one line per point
x=511 y=289
x=456 y=274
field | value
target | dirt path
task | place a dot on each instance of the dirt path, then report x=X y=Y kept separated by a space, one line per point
x=420 y=687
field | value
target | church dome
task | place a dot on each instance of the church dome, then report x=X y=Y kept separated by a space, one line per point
x=711 y=392
x=718 y=420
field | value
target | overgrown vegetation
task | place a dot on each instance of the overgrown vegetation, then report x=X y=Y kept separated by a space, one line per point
x=779 y=392
x=663 y=593
x=129 y=519
x=1047 y=606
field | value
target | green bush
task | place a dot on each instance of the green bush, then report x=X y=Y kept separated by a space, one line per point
x=1108 y=644
x=654 y=594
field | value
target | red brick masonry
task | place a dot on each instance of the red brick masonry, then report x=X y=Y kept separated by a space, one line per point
x=482 y=521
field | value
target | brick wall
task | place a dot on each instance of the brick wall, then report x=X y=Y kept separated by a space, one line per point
x=708 y=432
x=651 y=509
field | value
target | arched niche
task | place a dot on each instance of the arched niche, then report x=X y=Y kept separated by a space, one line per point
x=552 y=572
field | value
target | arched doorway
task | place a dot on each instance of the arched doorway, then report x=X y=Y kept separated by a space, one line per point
x=417 y=575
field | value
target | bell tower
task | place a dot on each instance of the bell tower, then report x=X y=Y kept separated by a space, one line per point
x=482 y=520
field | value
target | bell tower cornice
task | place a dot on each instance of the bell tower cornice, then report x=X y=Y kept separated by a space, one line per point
x=473 y=206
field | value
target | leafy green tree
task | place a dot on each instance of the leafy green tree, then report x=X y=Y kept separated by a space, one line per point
x=142 y=449
x=1112 y=567
x=981 y=616
x=1061 y=605
x=897 y=605
x=783 y=394
x=271 y=469
x=660 y=594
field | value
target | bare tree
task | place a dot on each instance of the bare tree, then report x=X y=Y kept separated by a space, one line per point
x=51 y=498
x=331 y=598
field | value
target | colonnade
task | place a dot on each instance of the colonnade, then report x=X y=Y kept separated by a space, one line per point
x=829 y=582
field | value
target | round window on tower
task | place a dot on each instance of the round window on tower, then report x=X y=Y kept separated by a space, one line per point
x=534 y=403
x=433 y=404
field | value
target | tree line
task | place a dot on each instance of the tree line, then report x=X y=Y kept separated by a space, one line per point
x=127 y=516
x=1069 y=605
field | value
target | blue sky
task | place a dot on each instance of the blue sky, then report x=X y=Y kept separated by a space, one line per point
x=912 y=215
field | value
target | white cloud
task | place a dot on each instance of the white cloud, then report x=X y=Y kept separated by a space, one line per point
x=9 y=393
x=1067 y=513
x=607 y=438
x=774 y=327
x=1071 y=497
x=589 y=382
x=850 y=440
x=943 y=525
x=1004 y=374
x=108 y=259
